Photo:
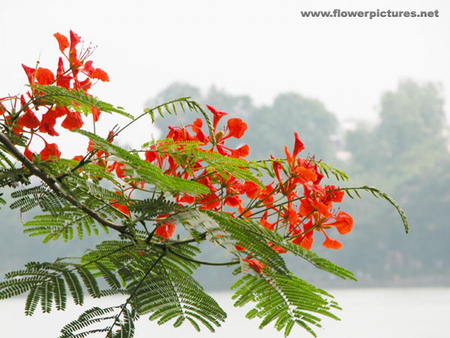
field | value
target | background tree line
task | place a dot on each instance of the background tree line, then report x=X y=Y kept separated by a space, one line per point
x=405 y=154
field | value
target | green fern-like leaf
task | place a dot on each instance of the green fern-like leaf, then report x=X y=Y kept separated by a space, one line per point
x=5 y=159
x=29 y=198
x=89 y=281
x=184 y=102
x=317 y=261
x=76 y=100
x=378 y=193
x=158 y=282
x=151 y=207
x=68 y=222
x=170 y=294
x=251 y=236
x=145 y=172
x=284 y=300
x=12 y=177
x=118 y=320
x=191 y=150
x=327 y=169
x=46 y=283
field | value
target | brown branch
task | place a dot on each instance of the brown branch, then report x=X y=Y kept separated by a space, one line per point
x=55 y=186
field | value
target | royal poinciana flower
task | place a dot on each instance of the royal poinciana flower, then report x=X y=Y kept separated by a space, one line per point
x=37 y=115
x=50 y=152
x=254 y=264
x=293 y=203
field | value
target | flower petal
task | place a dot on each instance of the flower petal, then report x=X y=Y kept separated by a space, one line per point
x=62 y=41
x=50 y=152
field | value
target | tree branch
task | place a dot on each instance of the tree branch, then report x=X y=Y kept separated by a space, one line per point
x=55 y=186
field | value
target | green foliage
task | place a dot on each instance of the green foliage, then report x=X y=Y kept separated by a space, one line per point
x=76 y=99
x=378 y=193
x=170 y=107
x=153 y=273
x=192 y=152
x=46 y=283
x=12 y=177
x=263 y=167
x=284 y=300
x=143 y=171
x=123 y=323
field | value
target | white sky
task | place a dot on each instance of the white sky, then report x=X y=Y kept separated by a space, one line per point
x=260 y=48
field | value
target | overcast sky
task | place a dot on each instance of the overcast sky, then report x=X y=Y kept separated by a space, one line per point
x=259 y=48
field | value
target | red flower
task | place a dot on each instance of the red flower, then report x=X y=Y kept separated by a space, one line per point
x=28 y=154
x=31 y=73
x=165 y=230
x=277 y=249
x=121 y=207
x=304 y=241
x=50 y=152
x=304 y=175
x=209 y=202
x=266 y=196
x=95 y=113
x=44 y=76
x=78 y=158
x=251 y=189
x=197 y=128
x=239 y=248
x=61 y=79
x=186 y=199
x=304 y=238
x=49 y=120
x=343 y=223
x=263 y=221
x=62 y=41
x=217 y=115
x=100 y=74
x=119 y=168
x=72 y=121
x=27 y=120
x=331 y=243
x=255 y=264
x=298 y=145
x=334 y=194
x=236 y=128
x=240 y=152
x=73 y=59
x=94 y=73
x=233 y=201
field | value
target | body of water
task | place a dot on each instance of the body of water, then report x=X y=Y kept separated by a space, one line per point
x=367 y=313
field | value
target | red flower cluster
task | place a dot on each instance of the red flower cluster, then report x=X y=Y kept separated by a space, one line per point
x=295 y=202
x=78 y=76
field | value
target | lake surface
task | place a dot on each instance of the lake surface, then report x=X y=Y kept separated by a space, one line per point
x=367 y=313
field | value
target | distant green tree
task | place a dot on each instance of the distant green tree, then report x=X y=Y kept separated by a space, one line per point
x=411 y=118
x=268 y=130
x=406 y=154
x=307 y=116
x=240 y=105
